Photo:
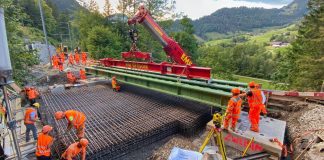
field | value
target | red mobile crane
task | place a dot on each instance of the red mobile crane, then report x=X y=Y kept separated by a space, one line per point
x=183 y=65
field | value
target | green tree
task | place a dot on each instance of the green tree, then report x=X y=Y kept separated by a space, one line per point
x=102 y=43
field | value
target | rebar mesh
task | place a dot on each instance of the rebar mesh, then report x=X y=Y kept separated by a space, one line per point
x=120 y=122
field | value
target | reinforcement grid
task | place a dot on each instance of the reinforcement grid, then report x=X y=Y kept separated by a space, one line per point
x=121 y=122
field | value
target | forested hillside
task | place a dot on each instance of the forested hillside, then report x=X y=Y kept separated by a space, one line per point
x=246 y=19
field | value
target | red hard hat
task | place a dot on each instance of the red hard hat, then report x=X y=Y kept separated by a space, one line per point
x=252 y=84
x=47 y=129
x=235 y=90
x=84 y=142
x=59 y=115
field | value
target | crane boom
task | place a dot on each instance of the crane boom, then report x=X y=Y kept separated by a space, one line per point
x=170 y=46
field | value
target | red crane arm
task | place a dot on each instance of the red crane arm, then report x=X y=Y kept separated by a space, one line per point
x=170 y=46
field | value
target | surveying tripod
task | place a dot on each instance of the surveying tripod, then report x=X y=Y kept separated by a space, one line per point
x=216 y=133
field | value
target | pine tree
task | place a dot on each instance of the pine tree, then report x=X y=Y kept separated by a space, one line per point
x=108 y=10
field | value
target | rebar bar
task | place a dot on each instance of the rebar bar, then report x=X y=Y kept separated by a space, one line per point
x=121 y=122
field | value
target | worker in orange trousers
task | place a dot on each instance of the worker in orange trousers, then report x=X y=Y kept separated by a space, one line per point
x=29 y=120
x=75 y=119
x=31 y=94
x=255 y=104
x=74 y=149
x=62 y=56
x=44 y=143
x=55 y=62
x=264 y=98
x=84 y=58
x=114 y=84
x=71 y=60
x=71 y=78
x=61 y=65
x=233 y=109
x=83 y=74
x=77 y=58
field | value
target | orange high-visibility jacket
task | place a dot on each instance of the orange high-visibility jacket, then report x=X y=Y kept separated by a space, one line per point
x=234 y=106
x=114 y=83
x=256 y=99
x=62 y=56
x=32 y=93
x=43 y=145
x=73 y=150
x=71 y=58
x=27 y=119
x=84 y=56
x=77 y=57
x=83 y=74
x=75 y=117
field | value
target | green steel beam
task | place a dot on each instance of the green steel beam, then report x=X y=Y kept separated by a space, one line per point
x=210 y=96
x=223 y=85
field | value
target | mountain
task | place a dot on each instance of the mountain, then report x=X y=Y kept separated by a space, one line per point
x=238 y=19
x=64 y=5
x=269 y=1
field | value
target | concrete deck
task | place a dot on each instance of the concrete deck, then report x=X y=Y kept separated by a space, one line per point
x=269 y=128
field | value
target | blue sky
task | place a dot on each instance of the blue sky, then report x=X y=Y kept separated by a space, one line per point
x=199 y=8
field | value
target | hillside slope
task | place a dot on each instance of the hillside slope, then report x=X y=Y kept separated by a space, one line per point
x=245 y=19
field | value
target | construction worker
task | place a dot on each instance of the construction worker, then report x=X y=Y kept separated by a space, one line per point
x=60 y=64
x=71 y=60
x=84 y=58
x=264 y=99
x=233 y=109
x=77 y=57
x=74 y=149
x=37 y=105
x=114 y=84
x=62 y=56
x=255 y=104
x=55 y=62
x=29 y=121
x=44 y=143
x=83 y=74
x=3 y=112
x=75 y=119
x=32 y=94
x=71 y=78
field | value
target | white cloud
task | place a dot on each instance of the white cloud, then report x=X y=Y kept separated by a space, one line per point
x=199 y=8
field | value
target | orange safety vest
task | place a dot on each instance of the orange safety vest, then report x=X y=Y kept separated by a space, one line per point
x=75 y=117
x=77 y=57
x=27 y=116
x=62 y=55
x=71 y=58
x=114 y=83
x=234 y=106
x=83 y=74
x=256 y=99
x=73 y=150
x=43 y=145
x=32 y=94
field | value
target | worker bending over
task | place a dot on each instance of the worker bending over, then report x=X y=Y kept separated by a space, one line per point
x=29 y=121
x=84 y=58
x=75 y=119
x=255 y=104
x=233 y=109
x=83 y=74
x=31 y=94
x=71 y=78
x=44 y=143
x=114 y=84
x=74 y=149
x=55 y=62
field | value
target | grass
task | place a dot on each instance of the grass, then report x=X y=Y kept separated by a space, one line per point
x=266 y=84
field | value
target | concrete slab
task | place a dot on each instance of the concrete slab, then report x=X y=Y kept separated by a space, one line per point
x=269 y=128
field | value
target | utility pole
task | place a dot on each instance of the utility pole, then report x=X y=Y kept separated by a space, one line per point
x=68 y=23
x=44 y=30
x=5 y=79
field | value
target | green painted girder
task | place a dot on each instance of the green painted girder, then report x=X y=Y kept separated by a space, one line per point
x=209 y=96
x=213 y=84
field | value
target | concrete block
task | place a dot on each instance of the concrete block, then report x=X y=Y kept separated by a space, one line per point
x=269 y=128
